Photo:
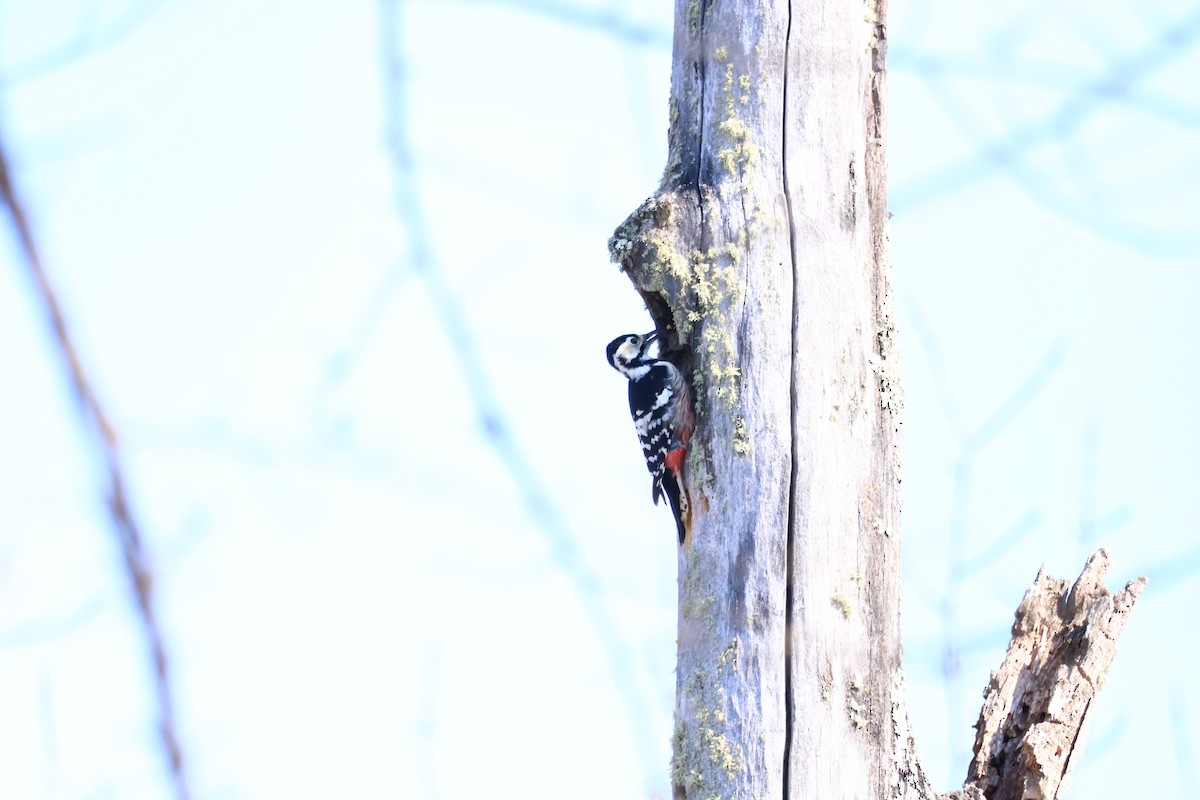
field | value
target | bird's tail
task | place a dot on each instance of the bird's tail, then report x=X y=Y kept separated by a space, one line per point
x=677 y=499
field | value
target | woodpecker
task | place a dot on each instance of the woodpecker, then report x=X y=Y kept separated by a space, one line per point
x=661 y=404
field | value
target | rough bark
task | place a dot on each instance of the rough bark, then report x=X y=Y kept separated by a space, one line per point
x=1037 y=702
x=763 y=261
x=845 y=654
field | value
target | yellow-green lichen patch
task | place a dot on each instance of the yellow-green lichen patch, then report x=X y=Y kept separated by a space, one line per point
x=737 y=153
x=727 y=85
x=719 y=355
x=856 y=708
x=730 y=657
x=697 y=607
x=620 y=244
x=695 y=598
x=871 y=17
x=842 y=603
x=704 y=756
x=710 y=287
x=741 y=444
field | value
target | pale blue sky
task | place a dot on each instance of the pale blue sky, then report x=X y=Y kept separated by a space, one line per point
x=362 y=598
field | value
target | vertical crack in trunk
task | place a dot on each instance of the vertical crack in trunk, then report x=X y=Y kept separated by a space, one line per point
x=700 y=68
x=791 y=515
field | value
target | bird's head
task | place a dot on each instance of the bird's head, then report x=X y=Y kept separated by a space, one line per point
x=630 y=352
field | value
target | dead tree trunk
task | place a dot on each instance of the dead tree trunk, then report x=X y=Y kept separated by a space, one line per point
x=763 y=260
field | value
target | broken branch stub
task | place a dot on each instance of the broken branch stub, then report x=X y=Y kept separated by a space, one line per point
x=1036 y=703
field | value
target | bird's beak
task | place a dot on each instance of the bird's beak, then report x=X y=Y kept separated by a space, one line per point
x=651 y=336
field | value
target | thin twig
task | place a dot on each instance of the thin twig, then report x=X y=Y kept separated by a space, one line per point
x=104 y=440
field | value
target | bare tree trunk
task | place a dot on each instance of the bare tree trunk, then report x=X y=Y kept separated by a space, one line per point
x=763 y=258
x=711 y=254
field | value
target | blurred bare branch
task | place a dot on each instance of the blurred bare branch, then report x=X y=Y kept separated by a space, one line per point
x=600 y=19
x=1093 y=525
x=104 y=441
x=48 y=630
x=1016 y=402
x=1001 y=69
x=1002 y=544
x=88 y=38
x=497 y=432
x=1174 y=570
x=959 y=566
x=1116 y=83
x=942 y=381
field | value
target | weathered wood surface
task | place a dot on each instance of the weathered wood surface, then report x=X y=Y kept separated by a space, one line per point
x=1037 y=702
x=845 y=662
